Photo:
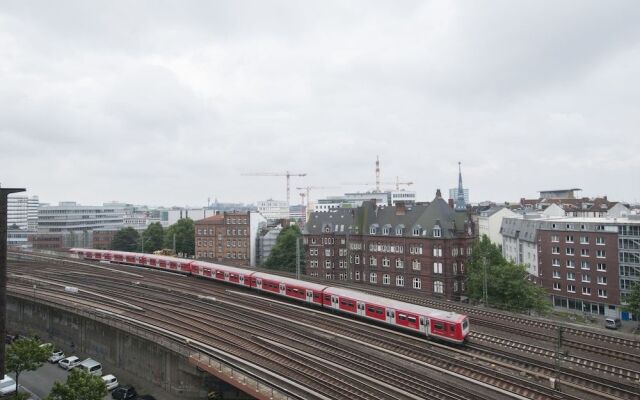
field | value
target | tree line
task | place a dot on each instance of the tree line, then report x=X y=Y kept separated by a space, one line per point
x=179 y=237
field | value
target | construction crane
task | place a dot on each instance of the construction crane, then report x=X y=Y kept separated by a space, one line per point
x=286 y=173
x=397 y=183
x=309 y=188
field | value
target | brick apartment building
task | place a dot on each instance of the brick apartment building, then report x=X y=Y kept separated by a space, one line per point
x=421 y=247
x=224 y=238
x=584 y=264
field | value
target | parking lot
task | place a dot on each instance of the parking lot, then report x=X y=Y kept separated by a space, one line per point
x=40 y=382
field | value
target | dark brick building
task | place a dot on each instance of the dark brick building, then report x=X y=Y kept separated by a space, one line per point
x=224 y=238
x=421 y=247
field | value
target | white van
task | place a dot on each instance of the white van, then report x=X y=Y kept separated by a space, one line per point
x=90 y=366
x=69 y=362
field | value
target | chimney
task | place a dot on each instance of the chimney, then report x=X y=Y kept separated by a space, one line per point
x=451 y=203
x=438 y=194
x=401 y=208
x=521 y=200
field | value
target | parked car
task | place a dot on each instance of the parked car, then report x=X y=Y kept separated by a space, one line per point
x=56 y=355
x=111 y=381
x=612 y=323
x=7 y=386
x=124 y=393
x=90 y=366
x=69 y=362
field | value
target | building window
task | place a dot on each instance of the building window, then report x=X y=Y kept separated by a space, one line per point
x=555 y=250
x=584 y=252
x=400 y=280
x=438 y=287
x=416 y=231
x=415 y=264
x=602 y=267
x=373 y=277
x=437 y=267
x=602 y=280
x=417 y=283
x=554 y=239
x=571 y=276
x=455 y=286
x=357 y=275
x=556 y=274
x=571 y=288
x=399 y=263
x=373 y=261
x=602 y=293
x=586 y=278
x=569 y=239
x=327 y=264
x=584 y=239
x=555 y=262
x=385 y=230
x=600 y=241
x=437 y=232
x=385 y=261
x=570 y=251
x=584 y=265
x=357 y=259
x=586 y=291
x=571 y=264
x=386 y=280
x=437 y=251
x=455 y=268
x=556 y=286
x=601 y=254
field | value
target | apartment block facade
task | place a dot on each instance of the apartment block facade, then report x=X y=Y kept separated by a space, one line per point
x=421 y=247
x=224 y=238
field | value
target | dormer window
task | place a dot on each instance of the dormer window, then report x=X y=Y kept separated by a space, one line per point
x=386 y=229
x=416 y=230
x=373 y=229
x=399 y=230
x=327 y=228
x=437 y=232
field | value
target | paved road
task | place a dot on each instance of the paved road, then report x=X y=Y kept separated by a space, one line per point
x=40 y=382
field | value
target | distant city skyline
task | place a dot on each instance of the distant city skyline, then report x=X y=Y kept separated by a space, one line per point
x=169 y=105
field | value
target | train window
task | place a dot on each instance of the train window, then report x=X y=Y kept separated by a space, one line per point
x=316 y=295
x=412 y=319
x=350 y=304
x=465 y=323
x=344 y=303
x=422 y=321
x=371 y=309
x=379 y=311
x=452 y=328
x=327 y=298
x=438 y=325
x=402 y=317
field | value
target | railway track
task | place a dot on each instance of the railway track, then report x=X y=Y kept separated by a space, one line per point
x=606 y=392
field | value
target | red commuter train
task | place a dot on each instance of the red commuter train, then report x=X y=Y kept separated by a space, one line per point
x=430 y=322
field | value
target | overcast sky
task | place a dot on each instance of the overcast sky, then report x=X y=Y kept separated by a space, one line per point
x=168 y=103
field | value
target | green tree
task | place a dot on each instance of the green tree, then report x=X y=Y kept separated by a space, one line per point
x=79 y=386
x=633 y=301
x=153 y=237
x=185 y=233
x=126 y=239
x=507 y=283
x=26 y=354
x=283 y=254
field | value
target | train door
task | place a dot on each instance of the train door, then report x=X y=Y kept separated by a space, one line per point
x=241 y=279
x=226 y=276
x=391 y=316
x=283 y=289
x=424 y=325
x=309 y=296
x=335 y=302
x=360 y=307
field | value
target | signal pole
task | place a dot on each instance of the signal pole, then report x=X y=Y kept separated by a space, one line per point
x=3 y=270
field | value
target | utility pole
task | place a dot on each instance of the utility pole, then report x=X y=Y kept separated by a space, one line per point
x=484 y=285
x=3 y=270
x=297 y=258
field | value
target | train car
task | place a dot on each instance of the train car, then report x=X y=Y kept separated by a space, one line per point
x=222 y=273
x=443 y=325
x=307 y=292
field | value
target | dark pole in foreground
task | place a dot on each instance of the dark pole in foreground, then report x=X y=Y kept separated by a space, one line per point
x=3 y=271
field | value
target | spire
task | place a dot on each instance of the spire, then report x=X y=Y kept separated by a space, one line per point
x=460 y=204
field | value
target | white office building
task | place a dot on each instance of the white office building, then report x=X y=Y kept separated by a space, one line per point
x=273 y=210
